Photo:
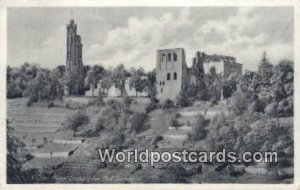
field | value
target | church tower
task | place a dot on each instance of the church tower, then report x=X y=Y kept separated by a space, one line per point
x=74 y=65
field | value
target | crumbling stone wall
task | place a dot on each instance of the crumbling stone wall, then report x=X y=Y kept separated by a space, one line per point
x=171 y=73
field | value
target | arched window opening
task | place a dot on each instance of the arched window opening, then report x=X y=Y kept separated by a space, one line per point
x=175 y=56
x=169 y=57
x=175 y=76
x=168 y=76
x=163 y=57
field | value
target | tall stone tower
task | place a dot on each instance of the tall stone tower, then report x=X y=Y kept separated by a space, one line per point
x=171 y=73
x=74 y=65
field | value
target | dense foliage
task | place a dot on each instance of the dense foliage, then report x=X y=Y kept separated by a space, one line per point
x=40 y=84
x=259 y=115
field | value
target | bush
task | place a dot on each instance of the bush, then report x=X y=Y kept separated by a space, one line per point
x=183 y=100
x=29 y=102
x=167 y=104
x=285 y=163
x=50 y=104
x=199 y=132
x=98 y=101
x=271 y=109
x=156 y=139
x=100 y=124
x=150 y=107
x=127 y=100
x=139 y=122
x=13 y=91
x=77 y=120
x=239 y=102
x=174 y=123
x=70 y=104
x=117 y=140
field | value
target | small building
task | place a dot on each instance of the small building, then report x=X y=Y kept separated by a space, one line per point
x=114 y=91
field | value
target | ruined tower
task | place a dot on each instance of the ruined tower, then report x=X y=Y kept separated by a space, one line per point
x=74 y=65
x=171 y=73
x=198 y=69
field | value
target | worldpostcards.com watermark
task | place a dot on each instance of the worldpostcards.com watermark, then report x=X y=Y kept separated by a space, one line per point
x=152 y=157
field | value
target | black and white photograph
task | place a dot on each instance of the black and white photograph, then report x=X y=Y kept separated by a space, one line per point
x=150 y=95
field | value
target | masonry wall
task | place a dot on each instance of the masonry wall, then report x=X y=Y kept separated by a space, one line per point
x=171 y=73
x=219 y=65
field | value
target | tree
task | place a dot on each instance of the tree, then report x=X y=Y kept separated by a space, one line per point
x=39 y=89
x=139 y=122
x=239 y=102
x=174 y=123
x=213 y=82
x=137 y=82
x=106 y=83
x=77 y=120
x=151 y=86
x=57 y=82
x=265 y=69
x=94 y=74
x=230 y=85
x=199 y=129
x=183 y=99
x=119 y=75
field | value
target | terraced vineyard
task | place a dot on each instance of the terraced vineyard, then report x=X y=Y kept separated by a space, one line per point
x=38 y=123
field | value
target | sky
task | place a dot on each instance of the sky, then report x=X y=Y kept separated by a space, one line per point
x=131 y=35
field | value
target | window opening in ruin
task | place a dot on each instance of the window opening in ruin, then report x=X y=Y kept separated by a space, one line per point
x=168 y=76
x=163 y=57
x=175 y=57
x=175 y=76
x=169 y=57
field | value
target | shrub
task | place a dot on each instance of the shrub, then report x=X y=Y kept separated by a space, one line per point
x=117 y=140
x=100 y=124
x=271 y=109
x=188 y=123
x=139 y=122
x=167 y=104
x=183 y=100
x=45 y=140
x=285 y=163
x=29 y=102
x=156 y=139
x=150 y=107
x=239 y=102
x=127 y=100
x=98 y=101
x=67 y=105
x=177 y=170
x=199 y=132
x=174 y=123
x=50 y=104
x=77 y=120
x=13 y=91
